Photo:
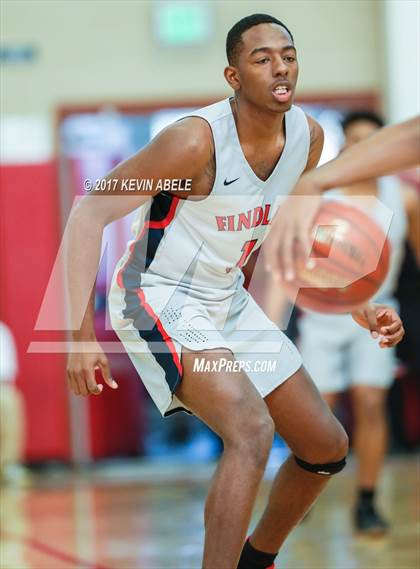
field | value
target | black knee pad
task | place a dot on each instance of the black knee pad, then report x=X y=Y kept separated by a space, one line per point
x=324 y=469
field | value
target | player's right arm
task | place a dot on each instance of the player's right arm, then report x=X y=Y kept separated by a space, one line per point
x=181 y=151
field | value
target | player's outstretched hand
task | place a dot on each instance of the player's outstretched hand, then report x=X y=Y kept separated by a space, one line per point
x=383 y=322
x=291 y=226
x=81 y=366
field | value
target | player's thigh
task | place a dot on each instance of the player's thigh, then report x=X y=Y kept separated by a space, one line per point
x=224 y=398
x=304 y=420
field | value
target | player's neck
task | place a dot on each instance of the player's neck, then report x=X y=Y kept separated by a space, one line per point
x=253 y=123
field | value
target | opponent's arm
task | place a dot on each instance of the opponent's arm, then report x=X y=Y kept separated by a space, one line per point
x=390 y=149
x=179 y=152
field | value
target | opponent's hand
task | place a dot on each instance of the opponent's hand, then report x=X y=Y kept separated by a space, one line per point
x=81 y=366
x=292 y=226
x=383 y=322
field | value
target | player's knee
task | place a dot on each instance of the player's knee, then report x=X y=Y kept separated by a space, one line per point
x=259 y=440
x=331 y=458
x=337 y=445
x=333 y=446
x=254 y=439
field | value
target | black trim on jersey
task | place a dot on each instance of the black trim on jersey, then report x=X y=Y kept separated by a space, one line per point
x=142 y=256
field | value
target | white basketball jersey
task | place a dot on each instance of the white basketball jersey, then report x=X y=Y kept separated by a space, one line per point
x=203 y=243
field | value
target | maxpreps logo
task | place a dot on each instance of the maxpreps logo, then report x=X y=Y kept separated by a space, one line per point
x=240 y=221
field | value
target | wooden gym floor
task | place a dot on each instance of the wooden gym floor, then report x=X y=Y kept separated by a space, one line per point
x=149 y=516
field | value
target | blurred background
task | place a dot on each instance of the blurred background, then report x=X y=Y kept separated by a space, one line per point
x=84 y=84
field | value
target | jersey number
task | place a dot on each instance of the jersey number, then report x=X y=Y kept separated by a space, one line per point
x=246 y=252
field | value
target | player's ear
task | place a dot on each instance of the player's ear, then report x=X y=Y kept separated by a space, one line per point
x=232 y=77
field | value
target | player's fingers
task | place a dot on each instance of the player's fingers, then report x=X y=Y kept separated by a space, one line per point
x=393 y=315
x=305 y=241
x=106 y=372
x=277 y=259
x=381 y=313
x=370 y=314
x=271 y=252
x=72 y=382
x=91 y=385
x=392 y=340
x=387 y=314
x=76 y=384
x=81 y=383
x=287 y=253
x=270 y=258
x=307 y=225
x=391 y=328
x=388 y=343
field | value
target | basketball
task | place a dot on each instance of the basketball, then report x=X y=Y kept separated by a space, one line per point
x=351 y=258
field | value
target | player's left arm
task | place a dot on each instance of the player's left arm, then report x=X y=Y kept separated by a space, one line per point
x=412 y=207
x=382 y=321
x=316 y=144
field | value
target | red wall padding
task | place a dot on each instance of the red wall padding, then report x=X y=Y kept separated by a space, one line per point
x=29 y=241
x=30 y=235
x=117 y=417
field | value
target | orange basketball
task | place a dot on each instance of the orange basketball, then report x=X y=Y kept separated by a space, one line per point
x=351 y=256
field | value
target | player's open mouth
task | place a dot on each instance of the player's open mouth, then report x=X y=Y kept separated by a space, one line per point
x=282 y=93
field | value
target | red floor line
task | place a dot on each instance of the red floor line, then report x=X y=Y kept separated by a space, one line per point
x=53 y=552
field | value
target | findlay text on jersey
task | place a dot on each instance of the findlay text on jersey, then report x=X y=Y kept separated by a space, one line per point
x=245 y=220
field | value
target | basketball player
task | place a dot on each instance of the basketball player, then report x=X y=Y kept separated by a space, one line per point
x=179 y=307
x=393 y=148
x=336 y=351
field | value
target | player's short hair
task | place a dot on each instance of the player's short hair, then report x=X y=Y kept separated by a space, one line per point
x=362 y=115
x=234 y=37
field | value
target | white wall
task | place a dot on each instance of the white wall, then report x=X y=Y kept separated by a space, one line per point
x=95 y=50
x=402 y=33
